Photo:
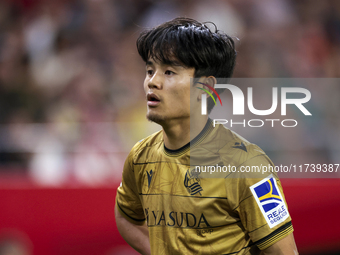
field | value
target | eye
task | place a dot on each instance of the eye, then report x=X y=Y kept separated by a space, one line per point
x=168 y=72
x=149 y=72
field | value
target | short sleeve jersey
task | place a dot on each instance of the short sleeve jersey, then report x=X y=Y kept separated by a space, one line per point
x=190 y=211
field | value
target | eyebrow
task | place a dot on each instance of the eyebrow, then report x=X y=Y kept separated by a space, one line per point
x=149 y=63
x=171 y=63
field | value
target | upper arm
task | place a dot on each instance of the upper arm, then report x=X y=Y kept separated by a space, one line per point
x=262 y=208
x=128 y=201
x=137 y=236
x=285 y=246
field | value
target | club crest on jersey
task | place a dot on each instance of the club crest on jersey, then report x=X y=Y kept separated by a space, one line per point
x=192 y=183
x=269 y=199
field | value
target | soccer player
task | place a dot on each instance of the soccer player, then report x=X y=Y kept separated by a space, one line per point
x=164 y=205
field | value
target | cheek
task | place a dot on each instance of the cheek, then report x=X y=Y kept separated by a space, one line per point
x=181 y=94
x=184 y=97
x=145 y=85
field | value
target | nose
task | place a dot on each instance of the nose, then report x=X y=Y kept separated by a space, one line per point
x=155 y=81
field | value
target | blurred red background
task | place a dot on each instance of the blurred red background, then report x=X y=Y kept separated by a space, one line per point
x=81 y=221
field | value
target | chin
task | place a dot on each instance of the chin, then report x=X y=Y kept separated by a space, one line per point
x=155 y=118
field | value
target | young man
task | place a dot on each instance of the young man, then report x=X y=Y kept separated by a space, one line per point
x=163 y=205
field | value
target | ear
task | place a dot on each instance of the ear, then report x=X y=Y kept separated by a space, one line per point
x=206 y=83
x=211 y=81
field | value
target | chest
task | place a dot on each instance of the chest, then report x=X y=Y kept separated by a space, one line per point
x=173 y=194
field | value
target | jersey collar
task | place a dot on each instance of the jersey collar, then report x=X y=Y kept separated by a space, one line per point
x=197 y=140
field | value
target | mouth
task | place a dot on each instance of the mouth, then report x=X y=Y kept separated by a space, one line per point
x=152 y=99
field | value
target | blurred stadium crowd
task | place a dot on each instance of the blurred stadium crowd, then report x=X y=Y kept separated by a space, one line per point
x=71 y=97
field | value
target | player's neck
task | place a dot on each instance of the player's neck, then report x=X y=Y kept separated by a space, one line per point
x=179 y=133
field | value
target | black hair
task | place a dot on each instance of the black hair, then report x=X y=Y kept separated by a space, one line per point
x=193 y=44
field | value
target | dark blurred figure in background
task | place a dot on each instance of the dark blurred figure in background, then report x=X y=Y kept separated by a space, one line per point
x=13 y=242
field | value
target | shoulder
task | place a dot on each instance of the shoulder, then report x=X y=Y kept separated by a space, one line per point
x=233 y=148
x=227 y=149
x=150 y=143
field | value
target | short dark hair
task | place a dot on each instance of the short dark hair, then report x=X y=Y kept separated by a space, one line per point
x=194 y=44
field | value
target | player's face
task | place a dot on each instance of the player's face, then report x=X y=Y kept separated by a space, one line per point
x=167 y=88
